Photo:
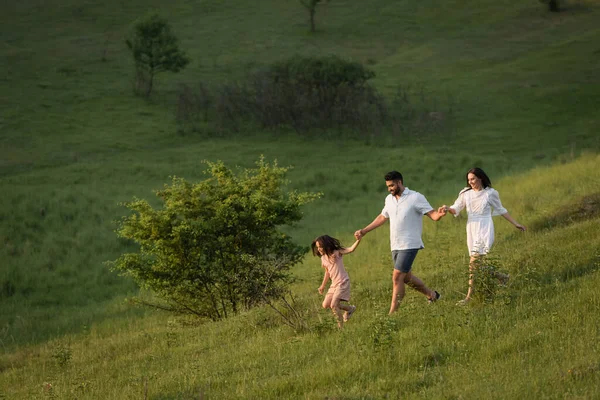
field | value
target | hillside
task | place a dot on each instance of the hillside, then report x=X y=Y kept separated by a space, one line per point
x=521 y=89
x=539 y=338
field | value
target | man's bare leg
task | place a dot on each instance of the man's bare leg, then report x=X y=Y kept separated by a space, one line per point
x=398 y=289
x=417 y=284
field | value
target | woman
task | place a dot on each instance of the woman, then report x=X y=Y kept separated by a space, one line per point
x=482 y=202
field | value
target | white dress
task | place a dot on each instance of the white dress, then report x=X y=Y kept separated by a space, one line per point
x=481 y=206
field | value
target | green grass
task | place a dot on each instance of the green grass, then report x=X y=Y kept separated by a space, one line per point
x=524 y=86
x=539 y=339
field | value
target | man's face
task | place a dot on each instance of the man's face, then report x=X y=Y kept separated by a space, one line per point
x=394 y=187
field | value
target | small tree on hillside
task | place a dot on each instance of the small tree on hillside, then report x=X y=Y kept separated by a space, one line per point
x=155 y=49
x=311 y=7
x=215 y=247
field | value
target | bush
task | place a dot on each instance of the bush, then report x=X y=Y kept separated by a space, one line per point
x=321 y=73
x=488 y=279
x=215 y=247
x=310 y=94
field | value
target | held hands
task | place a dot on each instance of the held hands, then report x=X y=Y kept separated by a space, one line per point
x=359 y=234
x=442 y=210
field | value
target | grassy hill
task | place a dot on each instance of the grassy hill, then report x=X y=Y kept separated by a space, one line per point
x=524 y=88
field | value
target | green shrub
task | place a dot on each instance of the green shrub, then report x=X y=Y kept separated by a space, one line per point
x=311 y=94
x=215 y=248
x=328 y=72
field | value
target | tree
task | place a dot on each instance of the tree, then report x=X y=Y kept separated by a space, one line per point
x=215 y=247
x=155 y=49
x=311 y=6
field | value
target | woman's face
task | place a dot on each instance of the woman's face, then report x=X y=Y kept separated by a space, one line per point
x=474 y=181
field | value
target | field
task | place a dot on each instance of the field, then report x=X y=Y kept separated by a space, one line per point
x=519 y=88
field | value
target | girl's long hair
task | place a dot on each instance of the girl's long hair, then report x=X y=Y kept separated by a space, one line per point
x=329 y=245
x=478 y=172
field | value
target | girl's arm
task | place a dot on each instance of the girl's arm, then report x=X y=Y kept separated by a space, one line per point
x=350 y=249
x=325 y=280
x=510 y=219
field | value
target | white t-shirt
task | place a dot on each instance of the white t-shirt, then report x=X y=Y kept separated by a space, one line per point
x=406 y=219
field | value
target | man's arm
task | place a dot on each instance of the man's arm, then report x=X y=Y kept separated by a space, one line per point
x=436 y=215
x=377 y=222
x=445 y=209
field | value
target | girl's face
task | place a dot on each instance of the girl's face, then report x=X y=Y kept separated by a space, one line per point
x=319 y=248
x=474 y=181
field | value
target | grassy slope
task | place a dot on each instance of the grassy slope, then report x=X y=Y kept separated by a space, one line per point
x=539 y=339
x=74 y=142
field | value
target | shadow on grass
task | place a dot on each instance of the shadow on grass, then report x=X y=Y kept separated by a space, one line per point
x=533 y=278
x=568 y=272
x=586 y=208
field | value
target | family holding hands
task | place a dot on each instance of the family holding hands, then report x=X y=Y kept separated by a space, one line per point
x=404 y=209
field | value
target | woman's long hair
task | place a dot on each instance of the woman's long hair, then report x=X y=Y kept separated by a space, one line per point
x=478 y=172
x=329 y=245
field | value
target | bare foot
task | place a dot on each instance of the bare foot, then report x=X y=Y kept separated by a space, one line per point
x=463 y=302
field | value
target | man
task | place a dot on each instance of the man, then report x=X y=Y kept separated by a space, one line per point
x=404 y=208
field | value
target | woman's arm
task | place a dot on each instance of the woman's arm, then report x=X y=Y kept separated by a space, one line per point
x=447 y=209
x=458 y=205
x=510 y=219
x=494 y=200
x=436 y=215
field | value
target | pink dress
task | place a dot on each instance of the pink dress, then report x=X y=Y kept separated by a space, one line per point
x=340 y=280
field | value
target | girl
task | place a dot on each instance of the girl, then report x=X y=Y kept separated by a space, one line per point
x=482 y=202
x=331 y=251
